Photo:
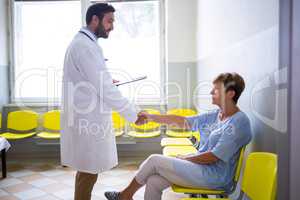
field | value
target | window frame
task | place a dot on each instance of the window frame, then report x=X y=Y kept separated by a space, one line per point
x=84 y=5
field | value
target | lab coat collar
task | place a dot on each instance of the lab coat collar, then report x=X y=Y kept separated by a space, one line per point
x=89 y=33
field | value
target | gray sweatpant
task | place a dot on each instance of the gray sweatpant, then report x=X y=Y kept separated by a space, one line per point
x=158 y=173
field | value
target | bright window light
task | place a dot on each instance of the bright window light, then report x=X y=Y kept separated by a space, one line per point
x=44 y=29
x=42 y=32
x=133 y=48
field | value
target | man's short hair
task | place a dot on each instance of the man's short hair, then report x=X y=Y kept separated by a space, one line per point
x=231 y=81
x=98 y=9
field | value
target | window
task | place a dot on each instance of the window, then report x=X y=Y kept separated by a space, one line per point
x=42 y=32
x=133 y=48
x=44 y=29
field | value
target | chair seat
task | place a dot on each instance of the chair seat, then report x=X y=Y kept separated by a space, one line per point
x=17 y=136
x=49 y=135
x=173 y=151
x=179 y=134
x=138 y=134
x=118 y=133
x=180 y=189
x=175 y=142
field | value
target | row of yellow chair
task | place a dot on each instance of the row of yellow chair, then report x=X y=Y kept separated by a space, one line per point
x=23 y=124
x=178 y=141
x=152 y=129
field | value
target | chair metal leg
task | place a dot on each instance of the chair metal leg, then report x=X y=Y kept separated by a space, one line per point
x=222 y=196
x=193 y=195
x=3 y=160
x=241 y=195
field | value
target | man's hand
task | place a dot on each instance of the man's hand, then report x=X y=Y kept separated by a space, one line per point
x=142 y=118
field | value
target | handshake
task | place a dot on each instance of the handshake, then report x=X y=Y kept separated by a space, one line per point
x=143 y=118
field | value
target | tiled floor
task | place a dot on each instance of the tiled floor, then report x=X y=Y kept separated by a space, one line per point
x=46 y=180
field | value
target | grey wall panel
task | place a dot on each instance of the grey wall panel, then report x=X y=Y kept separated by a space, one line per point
x=283 y=141
x=182 y=78
x=294 y=162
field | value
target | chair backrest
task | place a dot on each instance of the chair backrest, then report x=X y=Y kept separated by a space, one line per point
x=51 y=120
x=147 y=126
x=260 y=176
x=22 y=120
x=239 y=165
x=118 y=121
x=184 y=112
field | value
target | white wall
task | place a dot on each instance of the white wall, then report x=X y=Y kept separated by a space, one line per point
x=181 y=30
x=3 y=33
x=181 y=17
x=224 y=23
x=3 y=53
x=242 y=36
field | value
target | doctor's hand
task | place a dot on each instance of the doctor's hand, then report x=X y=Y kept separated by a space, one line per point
x=142 y=118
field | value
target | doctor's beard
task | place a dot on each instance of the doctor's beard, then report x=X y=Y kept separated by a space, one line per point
x=101 y=32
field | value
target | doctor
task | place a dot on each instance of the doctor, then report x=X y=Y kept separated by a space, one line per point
x=87 y=140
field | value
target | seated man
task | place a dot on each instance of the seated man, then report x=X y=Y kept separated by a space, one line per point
x=224 y=131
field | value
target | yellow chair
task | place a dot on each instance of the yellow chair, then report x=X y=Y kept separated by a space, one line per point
x=177 y=132
x=180 y=141
x=118 y=123
x=203 y=191
x=175 y=142
x=21 y=124
x=147 y=130
x=184 y=112
x=51 y=122
x=260 y=177
x=173 y=151
x=180 y=134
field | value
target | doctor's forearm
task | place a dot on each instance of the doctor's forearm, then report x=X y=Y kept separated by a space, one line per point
x=173 y=120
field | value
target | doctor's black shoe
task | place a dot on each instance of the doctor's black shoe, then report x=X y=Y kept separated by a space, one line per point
x=112 y=195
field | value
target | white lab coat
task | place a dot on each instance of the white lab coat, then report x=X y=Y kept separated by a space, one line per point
x=87 y=139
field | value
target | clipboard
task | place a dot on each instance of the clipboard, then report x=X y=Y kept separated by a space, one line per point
x=130 y=81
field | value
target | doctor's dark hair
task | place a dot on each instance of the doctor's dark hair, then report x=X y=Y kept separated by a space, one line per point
x=231 y=81
x=98 y=9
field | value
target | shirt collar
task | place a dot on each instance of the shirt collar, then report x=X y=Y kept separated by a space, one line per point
x=89 y=33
